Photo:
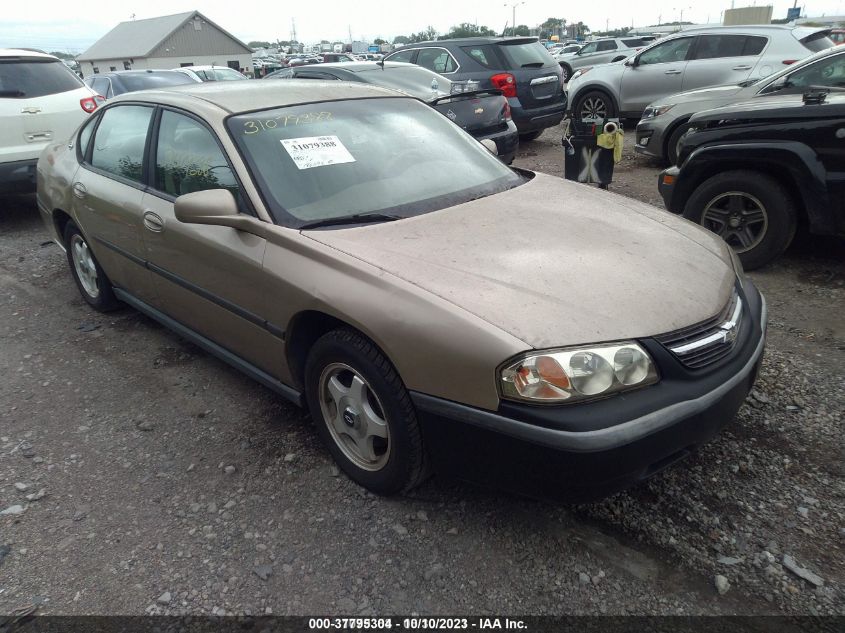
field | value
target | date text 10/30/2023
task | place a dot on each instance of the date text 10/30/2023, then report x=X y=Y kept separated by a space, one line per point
x=417 y=623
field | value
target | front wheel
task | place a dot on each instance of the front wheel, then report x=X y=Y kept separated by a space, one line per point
x=594 y=105
x=750 y=210
x=363 y=413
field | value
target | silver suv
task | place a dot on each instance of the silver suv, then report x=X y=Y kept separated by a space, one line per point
x=697 y=58
x=598 y=52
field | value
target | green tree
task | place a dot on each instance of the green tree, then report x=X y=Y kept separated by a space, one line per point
x=467 y=29
x=378 y=41
x=61 y=55
x=259 y=44
x=552 y=26
x=427 y=35
x=522 y=30
x=401 y=39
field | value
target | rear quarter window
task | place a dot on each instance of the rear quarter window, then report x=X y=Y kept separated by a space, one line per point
x=28 y=78
x=527 y=55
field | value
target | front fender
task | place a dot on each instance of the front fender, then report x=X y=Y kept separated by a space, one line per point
x=794 y=164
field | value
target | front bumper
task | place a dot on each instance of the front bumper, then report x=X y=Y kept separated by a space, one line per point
x=666 y=182
x=649 y=139
x=584 y=452
x=18 y=176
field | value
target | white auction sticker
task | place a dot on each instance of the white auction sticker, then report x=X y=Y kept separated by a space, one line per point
x=316 y=151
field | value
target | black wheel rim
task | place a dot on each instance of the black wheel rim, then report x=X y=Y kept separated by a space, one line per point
x=738 y=218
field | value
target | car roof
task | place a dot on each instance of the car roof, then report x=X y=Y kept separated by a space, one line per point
x=469 y=41
x=205 y=67
x=25 y=52
x=747 y=28
x=233 y=97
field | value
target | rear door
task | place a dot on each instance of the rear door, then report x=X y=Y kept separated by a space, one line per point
x=40 y=102
x=723 y=59
x=107 y=193
x=657 y=72
x=537 y=74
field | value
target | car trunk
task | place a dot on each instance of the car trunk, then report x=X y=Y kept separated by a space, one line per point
x=536 y=72
x=480 y=114
x=31 y=114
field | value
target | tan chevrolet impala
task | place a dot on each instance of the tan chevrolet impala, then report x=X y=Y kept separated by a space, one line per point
x=355 y=251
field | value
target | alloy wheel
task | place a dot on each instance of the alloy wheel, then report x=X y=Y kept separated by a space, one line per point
x=593 y=108
x=354 y=416
x=83 y=263
x=738 y=218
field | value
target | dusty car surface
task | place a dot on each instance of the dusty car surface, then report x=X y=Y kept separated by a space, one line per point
x=350 y=248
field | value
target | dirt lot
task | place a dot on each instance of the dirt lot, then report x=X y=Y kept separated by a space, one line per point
x=151 y=478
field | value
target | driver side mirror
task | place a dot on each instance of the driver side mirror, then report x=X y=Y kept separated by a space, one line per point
x=216 y=207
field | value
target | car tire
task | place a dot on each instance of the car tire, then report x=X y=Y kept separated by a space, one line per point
x=595 y=104
x=566 y=72
x=94 y=286
x=363 y=413
x=672 y=143
x=750 y=210
x=530 y=136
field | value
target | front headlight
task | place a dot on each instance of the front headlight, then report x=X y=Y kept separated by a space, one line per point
x=580 y=73
x=652 y=111
x=578 y=374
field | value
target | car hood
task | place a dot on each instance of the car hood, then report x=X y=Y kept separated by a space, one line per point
x=554 y=263
x=776 y=107
x=716 y=93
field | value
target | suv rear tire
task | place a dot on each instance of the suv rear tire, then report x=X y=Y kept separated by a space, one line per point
x=567 y=72
x=750 y=210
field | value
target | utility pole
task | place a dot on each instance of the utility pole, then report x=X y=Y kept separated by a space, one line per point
x=292 y=30
x=513 y=15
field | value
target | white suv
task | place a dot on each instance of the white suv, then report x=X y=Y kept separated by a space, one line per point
x=42 y=101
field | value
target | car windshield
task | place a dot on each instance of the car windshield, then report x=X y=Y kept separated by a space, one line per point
x=147 y=81
x=818 y=41
x=391 y=156
x=415 y=80
x=29 y=78
x=526 y=55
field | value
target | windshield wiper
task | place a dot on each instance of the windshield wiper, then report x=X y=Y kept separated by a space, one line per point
x=358 y=218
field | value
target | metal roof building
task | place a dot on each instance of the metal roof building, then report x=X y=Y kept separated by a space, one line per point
x=169 y=41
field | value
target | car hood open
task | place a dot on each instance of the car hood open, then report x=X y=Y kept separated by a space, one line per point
x=555 y=263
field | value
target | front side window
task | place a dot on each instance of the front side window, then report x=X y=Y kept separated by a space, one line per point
x=393 y=156
x=120 y=140
x=85 y=136
x=402 y=56
x=436 y=59
x=589 y=48
x=189 y=159
x=666 y=52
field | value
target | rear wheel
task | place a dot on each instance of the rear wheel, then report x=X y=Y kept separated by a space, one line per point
x=751 y=211
x=530 y=136
x=93 y=284
x=594 y=105
x=566 y=70
x=363 y=413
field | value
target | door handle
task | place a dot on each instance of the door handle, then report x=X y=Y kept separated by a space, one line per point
x=153 y=222
x=673 y=72
x=79 y=190
x=742 y=68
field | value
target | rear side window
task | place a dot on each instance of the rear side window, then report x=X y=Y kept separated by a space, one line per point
x=527 y=55
x=609 y=45
x=484 y=54
x=633 y=43
x=818 y=41
x=120 y=139
x=28 y=78
x=436 y=59
x=714 y=46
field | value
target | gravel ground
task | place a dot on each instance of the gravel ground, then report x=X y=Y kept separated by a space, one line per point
x=140 y=475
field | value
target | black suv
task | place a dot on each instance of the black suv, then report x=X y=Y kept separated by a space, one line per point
x=520 y=67
x=752 y=171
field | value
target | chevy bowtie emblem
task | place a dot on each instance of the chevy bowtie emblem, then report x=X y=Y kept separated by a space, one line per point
x=728 y=331
x=479 y=110
x=30 y=110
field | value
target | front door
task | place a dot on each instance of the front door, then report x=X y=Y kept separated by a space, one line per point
x=208 y=278
x=107 y=194
x=656 y=72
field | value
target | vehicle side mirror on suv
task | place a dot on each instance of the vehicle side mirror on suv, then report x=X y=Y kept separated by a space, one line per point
x=216 y=207
x=631 y=61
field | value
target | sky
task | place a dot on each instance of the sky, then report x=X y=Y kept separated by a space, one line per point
x=73 y=26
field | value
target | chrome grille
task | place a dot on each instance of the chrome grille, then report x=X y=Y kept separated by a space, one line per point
x=705 y=343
